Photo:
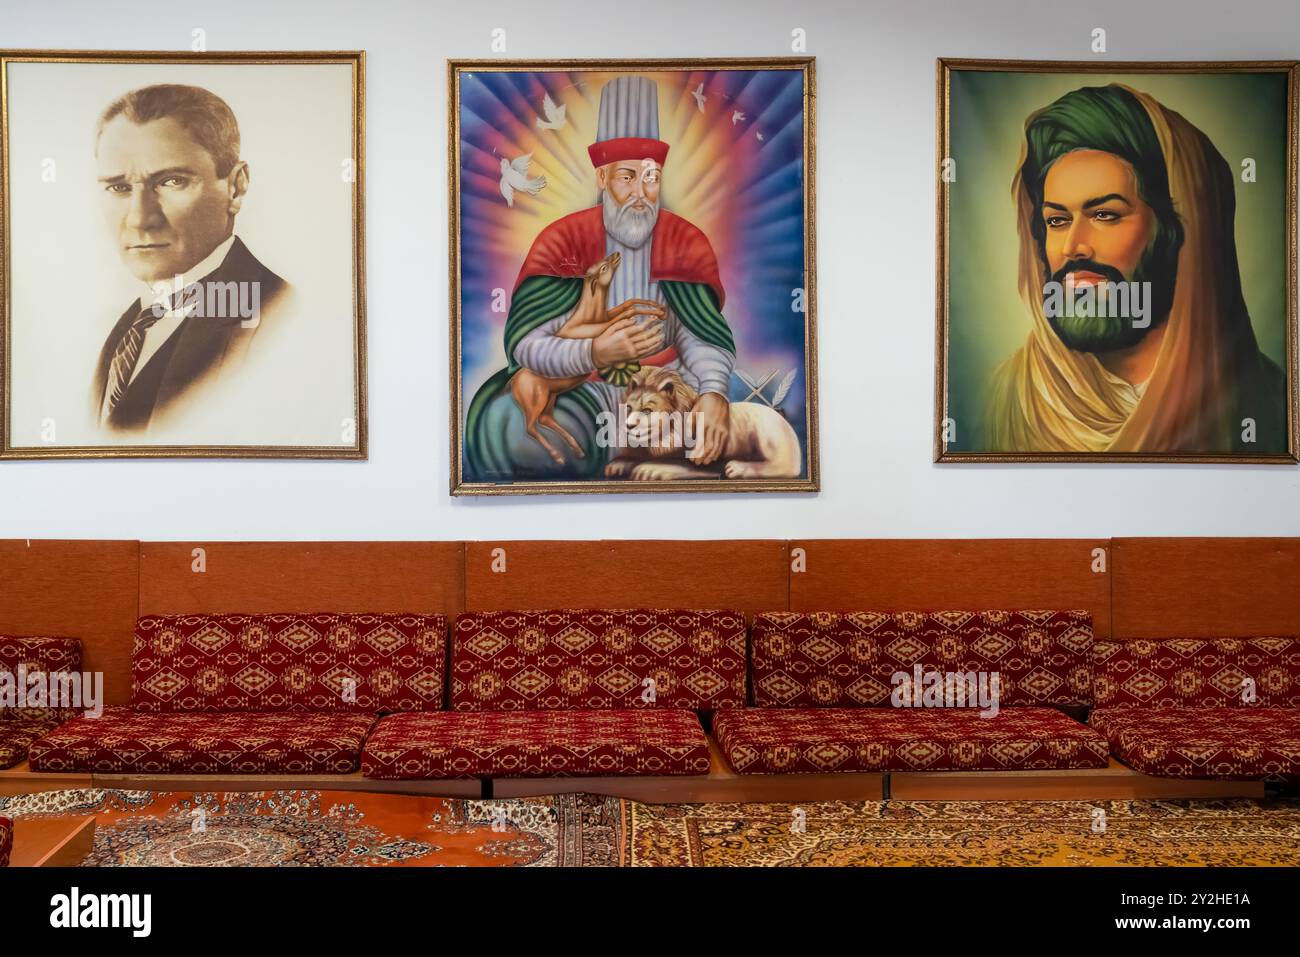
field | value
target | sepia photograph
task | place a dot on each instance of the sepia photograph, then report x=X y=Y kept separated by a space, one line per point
x=1117 y=262
x=632 y=279
x=183 y=269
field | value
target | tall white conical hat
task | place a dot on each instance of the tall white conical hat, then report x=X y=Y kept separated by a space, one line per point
x=627 y=127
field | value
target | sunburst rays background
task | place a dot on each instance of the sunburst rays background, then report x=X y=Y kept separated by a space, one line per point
x=741 y=180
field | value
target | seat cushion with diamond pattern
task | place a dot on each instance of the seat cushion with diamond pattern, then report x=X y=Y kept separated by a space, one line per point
x=125 y=741
x=1232 y=742
x=582 y=660
x=642 y=741
x=1198 y=672
x=816 y=740
x=28 y=655
x=17 y=736
x=841 y=660
x=327 y=662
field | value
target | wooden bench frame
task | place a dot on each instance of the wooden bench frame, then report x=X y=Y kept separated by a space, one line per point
x=720 y=785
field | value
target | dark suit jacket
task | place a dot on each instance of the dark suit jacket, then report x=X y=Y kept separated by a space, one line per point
x=194 y=352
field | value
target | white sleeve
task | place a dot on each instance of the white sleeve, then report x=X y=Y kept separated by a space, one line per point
x=547 y=354
x=709 y=364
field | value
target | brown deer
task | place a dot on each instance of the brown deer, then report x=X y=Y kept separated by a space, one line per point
x=536 y=394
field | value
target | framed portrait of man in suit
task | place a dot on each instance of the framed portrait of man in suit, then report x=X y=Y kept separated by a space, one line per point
x=1117 y=262
x=633 y=279
x=182 y=266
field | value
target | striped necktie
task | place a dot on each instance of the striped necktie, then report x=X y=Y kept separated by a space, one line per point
x=127 y=354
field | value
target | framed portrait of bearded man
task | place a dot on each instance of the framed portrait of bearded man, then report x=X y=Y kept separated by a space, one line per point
x=632 y=276
x=1116 y=262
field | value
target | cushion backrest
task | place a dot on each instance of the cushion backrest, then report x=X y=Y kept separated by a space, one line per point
x=323 y=662
x=23 y=656
x=850 y=659
x=598 y=659
x=1197 y=673
x=6 y=840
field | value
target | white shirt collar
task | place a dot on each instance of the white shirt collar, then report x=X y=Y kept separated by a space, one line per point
x=169 y=322
x=161 y=289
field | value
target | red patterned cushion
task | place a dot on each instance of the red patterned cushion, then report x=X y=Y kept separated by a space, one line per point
x=361 y=663
x=17 y=736
x=817 y=740
x=247 y=742
x=1232 y=742
x=1197 y=672
x=646 y=741
x=38 y=654
x=829 y=659
x=6 y=840
x=579 y=660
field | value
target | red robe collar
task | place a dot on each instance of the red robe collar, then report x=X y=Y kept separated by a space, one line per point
x=567 y=247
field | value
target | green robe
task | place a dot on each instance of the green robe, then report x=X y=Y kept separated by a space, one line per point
x=488 y=456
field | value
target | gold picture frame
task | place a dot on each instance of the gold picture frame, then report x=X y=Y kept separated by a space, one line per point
x=947 y=418
x=353 y=428
x=462 y=482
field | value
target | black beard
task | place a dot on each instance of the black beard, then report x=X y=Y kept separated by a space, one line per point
x=1106 y=333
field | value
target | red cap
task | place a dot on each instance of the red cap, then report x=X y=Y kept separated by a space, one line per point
x=627 y=148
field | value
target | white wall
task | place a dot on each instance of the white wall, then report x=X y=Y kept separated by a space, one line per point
x=875 y=66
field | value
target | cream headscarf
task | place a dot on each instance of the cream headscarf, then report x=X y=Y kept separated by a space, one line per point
x=1050 y=398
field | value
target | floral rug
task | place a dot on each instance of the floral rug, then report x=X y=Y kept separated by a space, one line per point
x=331 y=829
x=338 y=828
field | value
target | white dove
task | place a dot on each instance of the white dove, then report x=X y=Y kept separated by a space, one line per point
x=554 y=115
x=698 y=93
x=514 y=176
x=736 y=117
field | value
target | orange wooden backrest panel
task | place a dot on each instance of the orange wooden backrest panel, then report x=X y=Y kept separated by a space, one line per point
x=94 y=590
x=1202 y=587
x=951 y=574
x=267 y=577
x=81 y=589
x=748 y=575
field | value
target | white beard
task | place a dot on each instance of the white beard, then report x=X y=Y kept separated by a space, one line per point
x=629 y=226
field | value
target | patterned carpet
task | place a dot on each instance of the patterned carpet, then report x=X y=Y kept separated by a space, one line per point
x=967 y=833
x=335 y=828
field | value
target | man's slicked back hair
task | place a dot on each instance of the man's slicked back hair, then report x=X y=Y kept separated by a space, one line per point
x=204 y=115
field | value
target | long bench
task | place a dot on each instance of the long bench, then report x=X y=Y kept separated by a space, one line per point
x=654 y=704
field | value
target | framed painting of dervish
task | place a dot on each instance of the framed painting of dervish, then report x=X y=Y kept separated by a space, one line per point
x=183 y=257
x=1116 y=262
x=632 y=276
